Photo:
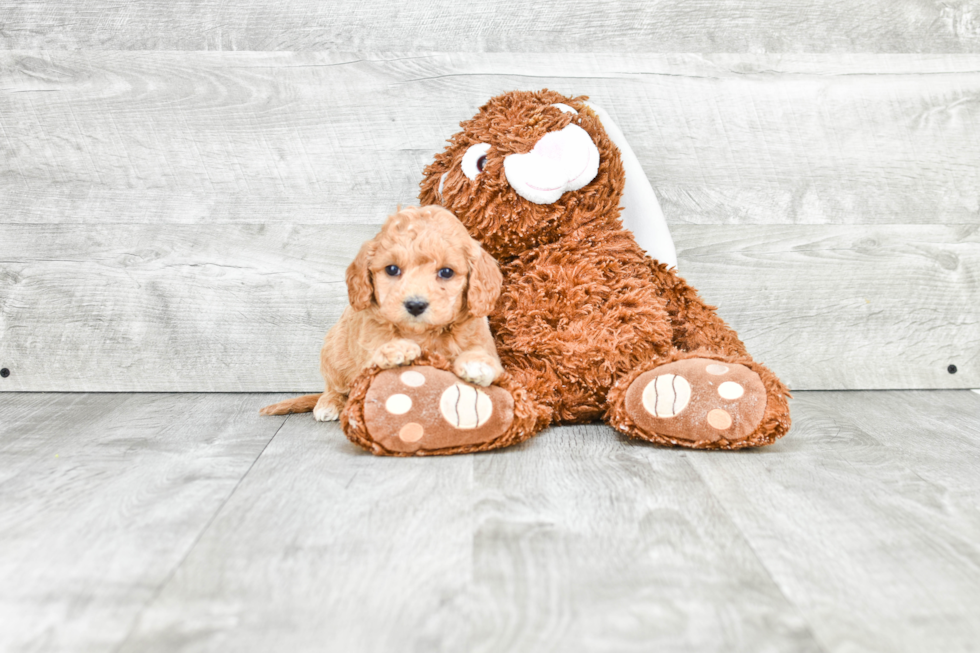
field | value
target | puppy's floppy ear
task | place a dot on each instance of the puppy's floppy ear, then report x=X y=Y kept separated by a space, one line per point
x=360 y=290
x=485 y=281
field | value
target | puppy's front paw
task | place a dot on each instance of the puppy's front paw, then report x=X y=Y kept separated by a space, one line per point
x=476 y=372
x=395 y=353
x=326 y=414
x=328 y=408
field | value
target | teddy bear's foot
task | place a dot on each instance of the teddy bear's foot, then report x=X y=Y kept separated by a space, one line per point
x=425 y=409
x=700 y=403
x=408 y=409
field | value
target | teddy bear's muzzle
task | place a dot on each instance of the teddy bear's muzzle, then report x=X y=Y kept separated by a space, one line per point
x=560 y=161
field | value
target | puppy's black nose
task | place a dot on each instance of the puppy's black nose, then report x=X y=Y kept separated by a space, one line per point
x=416 y=306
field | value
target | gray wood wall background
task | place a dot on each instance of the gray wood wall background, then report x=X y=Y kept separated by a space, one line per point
x=183 y=183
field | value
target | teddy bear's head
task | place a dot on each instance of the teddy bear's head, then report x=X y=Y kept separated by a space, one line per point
x=528 y=169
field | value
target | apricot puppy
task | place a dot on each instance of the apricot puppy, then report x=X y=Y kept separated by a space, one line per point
x=421 y=283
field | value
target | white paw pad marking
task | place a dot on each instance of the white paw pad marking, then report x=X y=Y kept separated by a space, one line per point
x=667 y=395
x=413 y=379
x=730 y=390
x=465 y=407
x=716 y=369
x=398 y=404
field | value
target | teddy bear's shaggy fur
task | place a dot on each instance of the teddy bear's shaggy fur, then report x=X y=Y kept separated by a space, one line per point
x=584 y=311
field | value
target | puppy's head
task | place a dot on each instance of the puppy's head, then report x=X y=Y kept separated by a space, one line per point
x=423 y=271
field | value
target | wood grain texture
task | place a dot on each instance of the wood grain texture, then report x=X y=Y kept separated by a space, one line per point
x=245 y=307
x=575 y=541
x=181 y=221
x=858 y=531
x=325 y=137
x=139 y=523
x=610 y=544
x=506 y=25
x=846 y=307
x=323 y=547
x=101 y=497
x=170 y=307
x=866 y=517
x=949 y=419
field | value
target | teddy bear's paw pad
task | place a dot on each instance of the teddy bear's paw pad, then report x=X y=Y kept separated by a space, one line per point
x=698 y=400
x=415 y=408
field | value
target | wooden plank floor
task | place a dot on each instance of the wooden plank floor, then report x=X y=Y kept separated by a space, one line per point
x=162 y=522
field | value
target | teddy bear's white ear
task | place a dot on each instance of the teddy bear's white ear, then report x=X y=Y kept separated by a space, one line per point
x=641 y=210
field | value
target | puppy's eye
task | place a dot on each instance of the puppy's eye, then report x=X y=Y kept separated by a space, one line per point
x=446 y=273
x=393 y=270
x=475 y=160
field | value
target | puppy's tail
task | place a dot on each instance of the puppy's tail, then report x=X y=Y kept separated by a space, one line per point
x=302 y=404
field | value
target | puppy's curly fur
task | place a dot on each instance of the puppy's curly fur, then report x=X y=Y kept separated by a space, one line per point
x=421 y=283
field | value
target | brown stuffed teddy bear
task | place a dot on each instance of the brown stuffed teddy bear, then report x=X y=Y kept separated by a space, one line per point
x=588 y=326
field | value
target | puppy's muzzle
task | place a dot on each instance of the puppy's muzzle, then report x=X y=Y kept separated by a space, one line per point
x=416 y=306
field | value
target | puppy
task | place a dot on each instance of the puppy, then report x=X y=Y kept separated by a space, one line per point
x=421 y=283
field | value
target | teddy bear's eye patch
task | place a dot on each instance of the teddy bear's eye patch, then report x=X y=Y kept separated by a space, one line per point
x=475 y=160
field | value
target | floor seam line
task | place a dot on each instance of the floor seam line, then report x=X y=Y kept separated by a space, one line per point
x=180 y=563
x=755 y=554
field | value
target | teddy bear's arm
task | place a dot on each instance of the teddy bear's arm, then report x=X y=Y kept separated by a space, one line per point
x=695 y=324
